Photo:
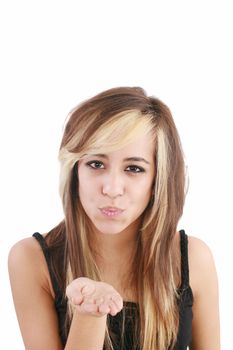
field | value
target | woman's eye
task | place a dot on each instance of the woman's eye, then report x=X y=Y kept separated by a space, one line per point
x=135 y=169
x=95 y=164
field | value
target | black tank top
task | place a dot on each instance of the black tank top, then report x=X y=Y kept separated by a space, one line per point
x=131 y=310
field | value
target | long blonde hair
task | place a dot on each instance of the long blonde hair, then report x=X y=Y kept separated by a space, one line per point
x=104 y=123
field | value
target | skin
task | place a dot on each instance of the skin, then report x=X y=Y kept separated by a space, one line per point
x=106 y=182
x=116 y=181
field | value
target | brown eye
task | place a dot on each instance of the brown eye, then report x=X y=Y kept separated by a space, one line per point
x=95 y=164
x=135 y=169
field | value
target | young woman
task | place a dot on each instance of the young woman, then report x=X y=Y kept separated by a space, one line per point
x=115 y=273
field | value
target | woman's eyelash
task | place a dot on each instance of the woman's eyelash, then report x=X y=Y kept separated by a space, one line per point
x=95 y=164
x=135 y=169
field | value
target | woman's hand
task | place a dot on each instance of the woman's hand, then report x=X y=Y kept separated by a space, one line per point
x=94 y=298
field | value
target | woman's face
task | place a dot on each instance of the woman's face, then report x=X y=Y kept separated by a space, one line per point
x=115 y=188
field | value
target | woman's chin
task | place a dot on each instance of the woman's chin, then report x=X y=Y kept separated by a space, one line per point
x=116 y=228
x=110 y=229
x=112 y=232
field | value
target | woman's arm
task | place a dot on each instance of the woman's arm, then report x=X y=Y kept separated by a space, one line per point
x=204 y=283
x=33 y=296
x=86 y=332
x=92 y=301
x=34 y=303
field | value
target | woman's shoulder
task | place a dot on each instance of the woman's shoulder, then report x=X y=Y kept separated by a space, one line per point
x=201 y=264
x=199 y=252
x=24 y=250
x=204 y=284
x=26 y=259
x=33 y=295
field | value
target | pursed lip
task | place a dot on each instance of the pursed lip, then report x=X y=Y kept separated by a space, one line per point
x=111 y=211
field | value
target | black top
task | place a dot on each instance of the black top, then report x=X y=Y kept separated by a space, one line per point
x=131 y=310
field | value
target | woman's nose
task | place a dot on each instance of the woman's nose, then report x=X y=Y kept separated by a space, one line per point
x=113 y=185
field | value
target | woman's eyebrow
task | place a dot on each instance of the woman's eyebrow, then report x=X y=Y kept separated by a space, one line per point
x=136 y=159
x=129 y=159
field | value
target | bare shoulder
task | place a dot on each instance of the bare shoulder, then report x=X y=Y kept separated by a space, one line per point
x=33 y=296
x=27 y=246
x=26 y=259
x=204 y=284
x=201 y=264
x=199 y=252
x=24 y=251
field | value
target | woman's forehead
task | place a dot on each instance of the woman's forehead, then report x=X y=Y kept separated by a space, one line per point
x=141 y=149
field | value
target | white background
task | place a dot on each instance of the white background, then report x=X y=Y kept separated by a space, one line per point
x=54 y=54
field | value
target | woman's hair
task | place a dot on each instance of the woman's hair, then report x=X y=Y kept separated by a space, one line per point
x=102 y=124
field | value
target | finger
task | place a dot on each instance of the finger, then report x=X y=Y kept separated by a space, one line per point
x=75 y=297
x=89 y=307
x=113 y=309
x=88 y=289
x=82 y=310
x=99 y=301
x=104 y=309
x=117 y=299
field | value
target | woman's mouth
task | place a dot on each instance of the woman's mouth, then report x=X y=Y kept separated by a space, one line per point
x=111 y=211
